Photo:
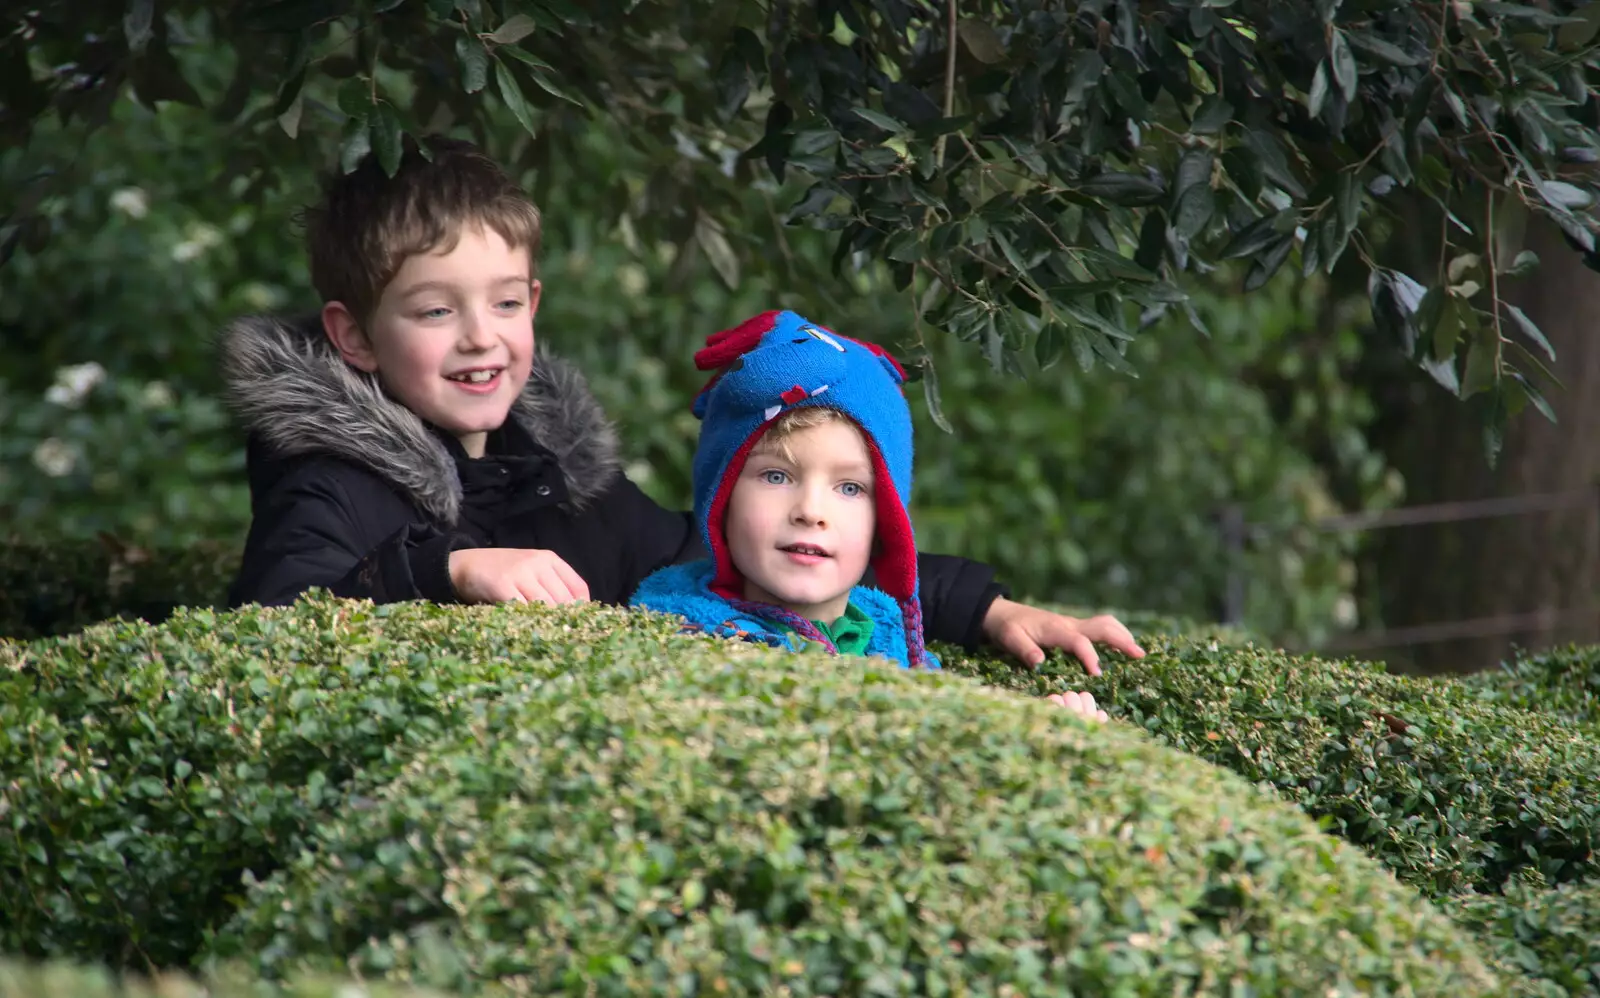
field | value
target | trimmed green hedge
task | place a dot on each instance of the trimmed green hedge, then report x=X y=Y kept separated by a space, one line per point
x=827 y=826
x=1562 y=683
x=155 y=764
x=1451 y=792
x=57 y=587
x=656 y=811
x=62 y=980
x=1550 y=935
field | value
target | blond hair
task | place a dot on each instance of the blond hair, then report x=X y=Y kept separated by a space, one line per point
x=776 y=441
x=369 y=223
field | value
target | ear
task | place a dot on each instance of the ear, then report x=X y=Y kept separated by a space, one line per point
x=535 y=292
x=344 y=332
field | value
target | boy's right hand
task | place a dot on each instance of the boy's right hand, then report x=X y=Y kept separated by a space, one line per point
x=514 y=575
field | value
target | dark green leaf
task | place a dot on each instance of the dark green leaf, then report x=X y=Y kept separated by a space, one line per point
x=1344 y=65
x=1443 y=372
x=1254 y=237
x=1124 y=189
x=474 y=60
x=512 y=95
x=1094 y=320
x=981 y=40
x=1049 y=347
x=1525 y=262
x=1480 y=373
x=1348 y=199
x=1515 y=11
x=1560 y=194
x=515 y=29
x=1213 y=115
x=904 y=246
x=138 y=24
x=1113 y=264
x=1529 y=329
x=930 y=392
x=1011 y=255
x=386 y=138
x=355 y=98
x=1319 y=90
x=1273 y=161
x=357 y=144
x=1582 y=30
x=1268 y=261
x=1193 y=211
x=1536 y=397
x=883 y=121
x=1382 y=50
x=549 y=86
x=522 y=55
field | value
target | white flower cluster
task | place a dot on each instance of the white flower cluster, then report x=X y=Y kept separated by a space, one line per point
x=74 y=383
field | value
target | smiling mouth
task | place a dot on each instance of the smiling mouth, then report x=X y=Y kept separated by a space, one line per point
x=481 y=376
x=810 y=549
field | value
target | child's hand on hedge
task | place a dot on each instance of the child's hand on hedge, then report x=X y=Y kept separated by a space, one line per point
x=514 y=575
x=1079 y=703
x=1026 y=631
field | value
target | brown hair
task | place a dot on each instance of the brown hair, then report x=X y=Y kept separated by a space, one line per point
x=369 y=223
x=776 y=439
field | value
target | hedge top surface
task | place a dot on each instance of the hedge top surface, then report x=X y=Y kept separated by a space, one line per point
x=685 y=813
x=1453 y=793
x=1563 y=683
x=147 y=767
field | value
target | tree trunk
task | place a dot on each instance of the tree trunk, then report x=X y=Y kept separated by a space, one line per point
x=1545 y=565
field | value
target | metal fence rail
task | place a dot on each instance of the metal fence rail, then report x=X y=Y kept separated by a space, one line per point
x=1236 y=532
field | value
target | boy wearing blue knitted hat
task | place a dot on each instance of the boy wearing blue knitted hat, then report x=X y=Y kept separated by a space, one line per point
x=801 y=479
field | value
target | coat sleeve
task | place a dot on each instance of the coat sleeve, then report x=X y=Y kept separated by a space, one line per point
x=653 y=536
x=956 y=595
x=306 y=532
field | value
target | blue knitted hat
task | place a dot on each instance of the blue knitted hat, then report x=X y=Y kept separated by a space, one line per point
x=778 y=361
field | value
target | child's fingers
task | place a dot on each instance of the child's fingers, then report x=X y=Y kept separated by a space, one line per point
x=571 y=580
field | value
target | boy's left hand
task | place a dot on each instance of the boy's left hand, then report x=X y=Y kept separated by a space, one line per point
x=1026 y=631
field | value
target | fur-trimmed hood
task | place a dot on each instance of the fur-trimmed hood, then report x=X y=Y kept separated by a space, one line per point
x=288 y=385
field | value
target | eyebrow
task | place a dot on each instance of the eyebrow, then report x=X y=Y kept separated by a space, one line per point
x=422 y=286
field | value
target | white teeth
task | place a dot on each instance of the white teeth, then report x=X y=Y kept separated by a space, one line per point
x=475 y=377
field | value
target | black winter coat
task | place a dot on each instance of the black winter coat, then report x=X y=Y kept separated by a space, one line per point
x=353 y=492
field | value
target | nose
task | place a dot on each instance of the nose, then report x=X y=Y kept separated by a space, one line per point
x=810 y=506
x=476 y=333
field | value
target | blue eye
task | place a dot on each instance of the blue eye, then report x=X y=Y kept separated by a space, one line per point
x=772 y=476
x=511 y=304
x=435 y=313
x=852 y=489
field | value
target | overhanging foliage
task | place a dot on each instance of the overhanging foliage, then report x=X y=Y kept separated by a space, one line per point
x=1040 y=175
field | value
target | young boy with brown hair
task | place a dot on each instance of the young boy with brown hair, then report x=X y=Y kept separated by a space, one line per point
x=410 y=442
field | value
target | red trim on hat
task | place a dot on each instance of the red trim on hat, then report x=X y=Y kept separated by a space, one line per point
x=727 y=582
x=793 y=395
x=724 y=347
x=896 y=561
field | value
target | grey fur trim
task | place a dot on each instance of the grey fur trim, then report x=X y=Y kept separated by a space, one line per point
x=285 y=381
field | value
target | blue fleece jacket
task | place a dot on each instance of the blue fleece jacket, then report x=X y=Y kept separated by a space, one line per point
x=686 y=591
